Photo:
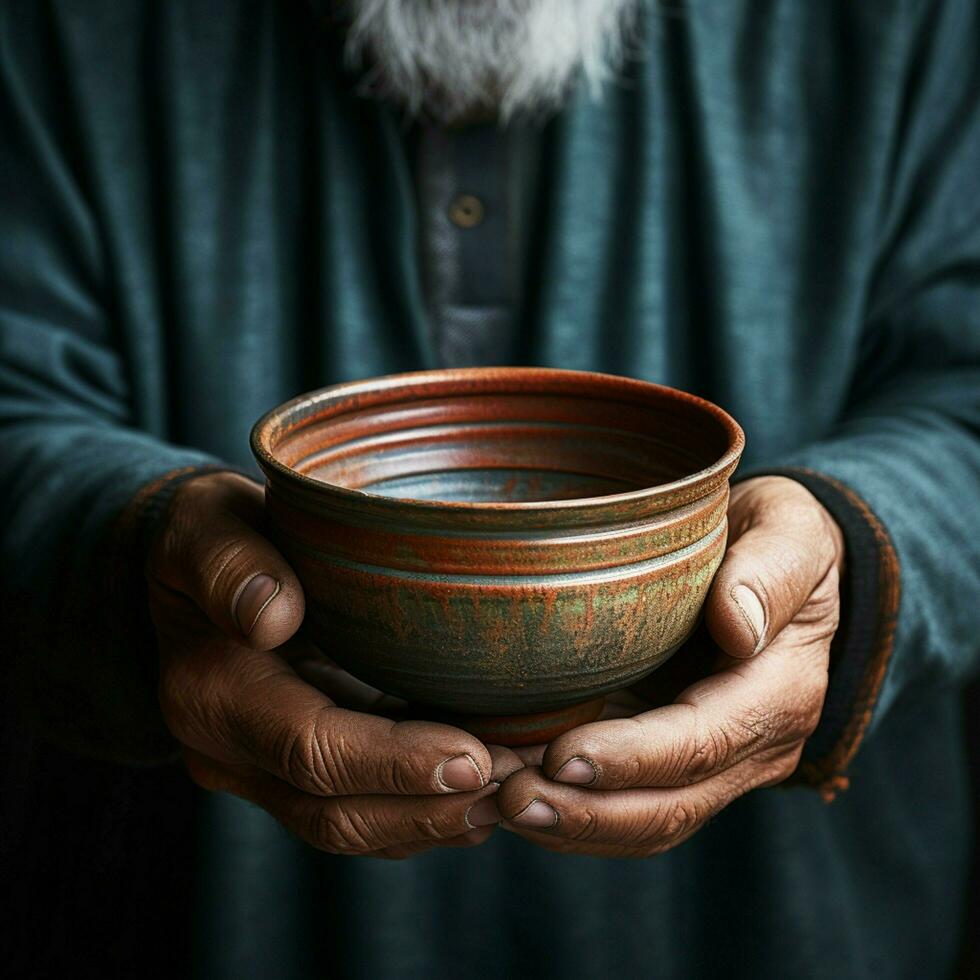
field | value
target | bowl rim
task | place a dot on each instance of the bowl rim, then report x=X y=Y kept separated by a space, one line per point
x=260 y=438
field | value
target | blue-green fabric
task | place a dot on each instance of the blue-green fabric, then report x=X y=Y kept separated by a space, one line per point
x=776 y=207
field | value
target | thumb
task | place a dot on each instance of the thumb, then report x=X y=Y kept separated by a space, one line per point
x=782 y=545
x=210 y=551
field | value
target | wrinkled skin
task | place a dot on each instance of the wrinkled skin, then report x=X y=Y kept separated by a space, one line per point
x=647 y=777
x=264 y=716
x=233 y=692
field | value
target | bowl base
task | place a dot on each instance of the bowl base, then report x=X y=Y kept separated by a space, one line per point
x=532 y=729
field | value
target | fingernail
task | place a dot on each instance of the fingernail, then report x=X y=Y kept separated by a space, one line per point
x=259 y=591
x=578 y=771
x=460 y=773
x=537 y=814
x=483 y=813
x=752 y=612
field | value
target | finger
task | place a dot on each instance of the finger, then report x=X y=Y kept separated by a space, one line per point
x=652 y=819
x=218 y=777
x=355 y=825
x=782 y=544
x=239 y=705
x=504 y=762
x=210 y=550
x=769 y=701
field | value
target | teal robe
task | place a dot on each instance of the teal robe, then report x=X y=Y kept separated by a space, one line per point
x=777 y=207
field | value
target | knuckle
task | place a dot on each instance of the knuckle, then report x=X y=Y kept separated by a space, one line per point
x=339 y=832
x=758 y=725
x=814 y=519
x=310 y=759
x=631 y=771
x=428 y=827
x=681 y=819
x=586 y=828
x=711 y=750
x=674 y=824
x=401 y=776
x=339 y=770
x=823 y=608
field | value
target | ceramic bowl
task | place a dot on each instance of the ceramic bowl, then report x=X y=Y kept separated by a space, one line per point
x=501 y=545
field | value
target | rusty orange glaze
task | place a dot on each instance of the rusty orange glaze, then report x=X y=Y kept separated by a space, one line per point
x=501 y=553
x=500 y=541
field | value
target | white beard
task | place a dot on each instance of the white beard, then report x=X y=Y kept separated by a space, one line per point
x=452 y=59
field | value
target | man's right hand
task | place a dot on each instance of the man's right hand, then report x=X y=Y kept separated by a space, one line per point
x=226 y=607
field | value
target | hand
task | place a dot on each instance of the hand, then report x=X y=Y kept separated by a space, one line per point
x=637 y=786
x=226 y=607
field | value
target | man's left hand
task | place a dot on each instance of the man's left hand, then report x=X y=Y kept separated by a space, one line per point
x=637 y=786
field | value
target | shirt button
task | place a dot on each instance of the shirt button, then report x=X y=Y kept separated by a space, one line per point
x=466 y=211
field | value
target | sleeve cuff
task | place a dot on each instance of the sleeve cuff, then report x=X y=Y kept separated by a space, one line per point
x=862 y=647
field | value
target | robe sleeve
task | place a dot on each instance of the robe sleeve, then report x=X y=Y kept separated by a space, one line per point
x=78 y=482
x=901 y=470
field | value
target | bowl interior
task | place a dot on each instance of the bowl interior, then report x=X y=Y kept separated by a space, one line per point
x=564 y=437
